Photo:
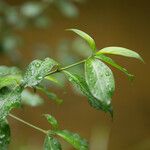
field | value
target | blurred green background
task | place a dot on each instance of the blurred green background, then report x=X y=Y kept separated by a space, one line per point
x=123 y=23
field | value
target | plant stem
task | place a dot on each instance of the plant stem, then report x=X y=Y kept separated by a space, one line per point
x=24 y=122
x=52 y=72
x=67 y=67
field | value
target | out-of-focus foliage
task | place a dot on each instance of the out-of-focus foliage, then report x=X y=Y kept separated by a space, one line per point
x=26 y=15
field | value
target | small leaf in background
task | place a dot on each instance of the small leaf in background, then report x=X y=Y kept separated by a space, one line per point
x=50 y=95
x=9 y=98
x=86 y=37
x=4 y=70
x=31 y=9
x=51 y=143
x=53 y=79
x=81 y=48
x=100 y=80
x=4 y=135
x=31 y=99
x=42 y=22
x=120 y=51
x=74 y=139
x=114 y=64
x=67 y=8
x=52 y=121
x=37 y=70
x=80 y=83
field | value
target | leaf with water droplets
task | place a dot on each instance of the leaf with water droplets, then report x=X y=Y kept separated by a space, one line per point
x=80 y=83
x=52 y=121
x=120 y=51
x=86 y=37
x=31 y=99
x=37 y=70
x=4 y=135
x=114 y=64
x=74 y=139
x=10 y=97
x=51 y=143
x=100 y=81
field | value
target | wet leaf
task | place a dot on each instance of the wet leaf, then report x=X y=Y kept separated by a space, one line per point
x=100 y=81
x=86 y=37
x=80 y=83
x=52 y=121
x=74 y=139
x=37 y=70
x=4 y=135
x=51 y=143
x=114 y=64
x=9 y=98
x=120 y=51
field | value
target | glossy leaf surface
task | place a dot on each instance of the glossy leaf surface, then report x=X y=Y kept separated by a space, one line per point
x=114 y=64
x=100 y=80
x=37 y=70
x=74 y=139
x=86 y=37
x=120 y=51
x=51 y=143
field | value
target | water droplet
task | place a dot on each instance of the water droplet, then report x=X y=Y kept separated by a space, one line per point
x=107 y=74
x=37 y=64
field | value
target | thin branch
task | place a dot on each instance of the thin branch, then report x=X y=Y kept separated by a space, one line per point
x=27 y=123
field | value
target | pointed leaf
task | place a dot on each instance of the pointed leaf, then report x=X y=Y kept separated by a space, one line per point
x=51 y=143
x=120 y=51
x=86 y=37
x=114 y=64
x=52 y=121
x=31 y=99
x=100 y=80
x=9 y=98
x=37 y=70
x=74 y=139
x=80 y=83
x=4 y=135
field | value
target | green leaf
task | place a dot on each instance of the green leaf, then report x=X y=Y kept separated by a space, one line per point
x=37 y=70
x=9 y=98
x=9 y=80
x=74 y=139
x=114 y=64
x=50 y=95
x=100 y=80
x=51 y=143
x=4 y=135
x=80 y=83
x=120 y=51
x=53 y=79
x=31 y=99
x=52 y=121
x=86 y=37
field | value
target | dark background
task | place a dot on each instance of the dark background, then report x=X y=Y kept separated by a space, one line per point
x=123 y=23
